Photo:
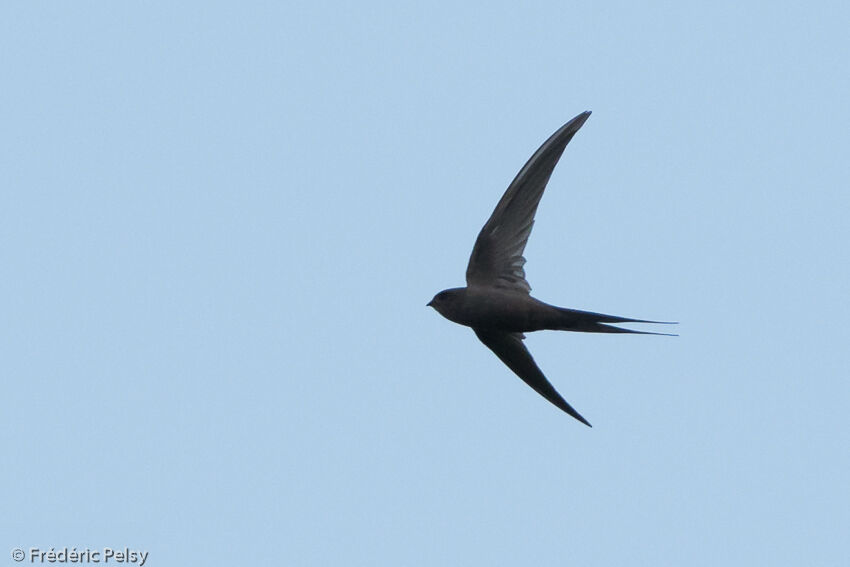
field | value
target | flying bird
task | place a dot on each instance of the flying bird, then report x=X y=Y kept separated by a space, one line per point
x=496 y=301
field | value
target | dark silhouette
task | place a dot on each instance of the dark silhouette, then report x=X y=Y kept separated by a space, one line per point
x=496 y=302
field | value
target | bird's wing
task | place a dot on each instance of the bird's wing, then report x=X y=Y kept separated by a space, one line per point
x=511 y=350
x=497 y=256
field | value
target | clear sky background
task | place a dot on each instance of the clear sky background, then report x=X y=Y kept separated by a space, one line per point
x=220 y=224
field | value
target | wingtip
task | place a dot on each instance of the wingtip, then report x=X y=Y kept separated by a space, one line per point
x=582 y=118
x=581 y=419
x=570 y=411
x=566 y=132
x=577 y=122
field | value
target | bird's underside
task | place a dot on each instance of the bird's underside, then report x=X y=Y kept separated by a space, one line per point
x=496 y=302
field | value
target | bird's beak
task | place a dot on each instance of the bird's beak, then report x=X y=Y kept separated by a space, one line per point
x=429 y=303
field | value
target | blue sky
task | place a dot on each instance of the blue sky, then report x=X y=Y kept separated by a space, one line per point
x=220 y=225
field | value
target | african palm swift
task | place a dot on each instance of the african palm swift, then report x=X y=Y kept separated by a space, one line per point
x=496 y=301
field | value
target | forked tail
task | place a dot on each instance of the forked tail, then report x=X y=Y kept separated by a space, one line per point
x=590 y=322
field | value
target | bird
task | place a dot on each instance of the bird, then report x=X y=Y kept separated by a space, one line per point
x=496 y=302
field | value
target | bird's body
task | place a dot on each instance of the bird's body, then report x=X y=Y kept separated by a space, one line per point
x=494 y=308
x=496 y=302
x=512 y=312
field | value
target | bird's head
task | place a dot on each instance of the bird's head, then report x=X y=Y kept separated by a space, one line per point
x=444 y=300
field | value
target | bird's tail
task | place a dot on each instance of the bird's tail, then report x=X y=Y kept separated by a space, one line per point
x=590 y=322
